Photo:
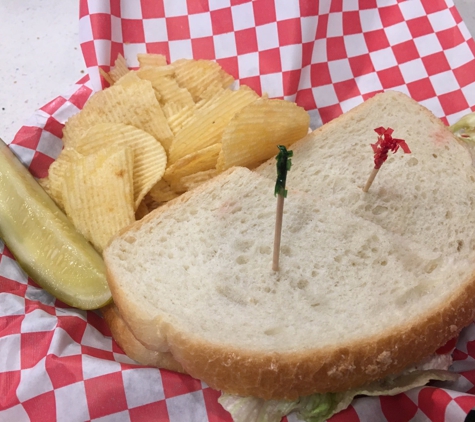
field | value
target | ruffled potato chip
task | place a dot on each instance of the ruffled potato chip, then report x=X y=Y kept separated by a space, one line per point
x=142 y=210
x=204 y=159
x=56 y=172
x=207 y=124
x=98 y=194
x=252 y=136
x=132 y=102
x=150 y=158
x=161 y=192
x=197 y=75
x=150 y=59
x=196 y=179
x=177 y=117
x=120 y=69
x=164 y=83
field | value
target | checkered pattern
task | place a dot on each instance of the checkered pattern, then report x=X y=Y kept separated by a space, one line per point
x=326 y=56
x=38 y=142
x=58 y=363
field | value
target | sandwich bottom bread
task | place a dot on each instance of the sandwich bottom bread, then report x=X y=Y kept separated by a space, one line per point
x=369 y=285
x=132 y=347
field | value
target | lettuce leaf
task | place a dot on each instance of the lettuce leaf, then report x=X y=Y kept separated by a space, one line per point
x=466 y=125
x=253 y=409
x=320 y=407
x=464 y=131
x=314 y=408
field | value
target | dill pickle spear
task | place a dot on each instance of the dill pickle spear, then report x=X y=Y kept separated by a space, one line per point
x=44 y=241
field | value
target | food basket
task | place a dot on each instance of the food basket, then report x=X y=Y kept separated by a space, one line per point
x=59 y=363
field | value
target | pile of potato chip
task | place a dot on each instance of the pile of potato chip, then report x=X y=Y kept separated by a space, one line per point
x=157 y=132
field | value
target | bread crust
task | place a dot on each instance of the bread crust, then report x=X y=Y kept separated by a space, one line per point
x=132 y=347
x=289 y=376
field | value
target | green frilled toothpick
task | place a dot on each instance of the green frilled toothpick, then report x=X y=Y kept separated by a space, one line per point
x=283 y=166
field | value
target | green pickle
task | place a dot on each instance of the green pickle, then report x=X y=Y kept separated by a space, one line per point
x=44 y=241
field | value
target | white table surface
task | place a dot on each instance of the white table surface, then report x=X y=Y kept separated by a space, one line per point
x=41 y=58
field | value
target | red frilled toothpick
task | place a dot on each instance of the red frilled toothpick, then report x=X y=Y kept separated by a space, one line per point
x=381 y=148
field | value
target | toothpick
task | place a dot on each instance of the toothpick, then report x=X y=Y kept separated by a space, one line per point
x=278 y=232
x=370 y=179
x=381 y=148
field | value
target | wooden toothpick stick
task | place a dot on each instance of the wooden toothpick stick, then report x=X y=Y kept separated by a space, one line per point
x=278 y=232
x=370 y=179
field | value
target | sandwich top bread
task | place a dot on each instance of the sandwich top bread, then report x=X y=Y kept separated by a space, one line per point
x=369 y=283
x=423 y=196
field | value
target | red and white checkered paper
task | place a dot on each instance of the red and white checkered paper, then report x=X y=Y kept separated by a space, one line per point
x=60 y=364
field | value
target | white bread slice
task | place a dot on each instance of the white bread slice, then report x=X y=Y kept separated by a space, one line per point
x=356 y=298
x=352 y=302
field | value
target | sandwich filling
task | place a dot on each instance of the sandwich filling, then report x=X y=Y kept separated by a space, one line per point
x=320 y=407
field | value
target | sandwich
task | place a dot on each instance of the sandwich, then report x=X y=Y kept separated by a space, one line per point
x=371 y=284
